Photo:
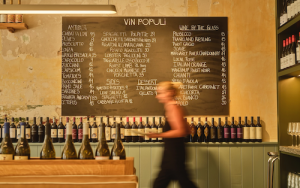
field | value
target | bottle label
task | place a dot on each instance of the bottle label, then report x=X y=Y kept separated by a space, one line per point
x=18 y=133
x=226 y=133
x=21 y=158
x=60 y=133
x=206 y=132
x=27 y=133
x=285 y=17
x=199 y=132
x=99 y=132
x=220 y=134
x=127 y=132
x=289 y=11
x=113 y=133
x=141 y=131
x=122 y=133
x=153 y=130
x=116 y=157
x=147 y=131
x=193 y=132
x=53 y=133
x=107 y=133
x=259 y=131
x=80 y=134
x=252 y=132
x=74 y=133
x=246 y=132
x=293 y=59
x=19 y=18
x=281 y=20
x=298 y=53
x=12 y=132
x=10 y=18
x=6 y=157
x=292 y=9
x=90 y=129
x=94 y=133
x=213 y=133
x=159 y=130
x=133 y=133
x=233 y=133
x=281 y=63
x=239 y=133
x=102 y=157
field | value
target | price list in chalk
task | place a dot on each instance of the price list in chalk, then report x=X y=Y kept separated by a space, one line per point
x=111 y=66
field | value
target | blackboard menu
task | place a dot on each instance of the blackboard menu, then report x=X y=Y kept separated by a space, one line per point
x=112 y=65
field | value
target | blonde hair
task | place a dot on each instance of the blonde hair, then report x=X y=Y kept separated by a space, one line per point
x=177 y=87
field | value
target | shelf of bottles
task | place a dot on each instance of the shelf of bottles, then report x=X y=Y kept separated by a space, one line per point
x=289 y=11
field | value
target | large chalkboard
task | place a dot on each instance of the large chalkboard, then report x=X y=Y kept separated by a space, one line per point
x=111 y=65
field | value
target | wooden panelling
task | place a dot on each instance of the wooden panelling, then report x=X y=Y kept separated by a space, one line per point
x=210 y=165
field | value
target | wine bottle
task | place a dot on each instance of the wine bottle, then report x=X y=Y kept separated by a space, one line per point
x=102 y=150
x=141 y=130
x=282 y=56
x=193 y=131
x=128 y=137
x=289 y=11
x=246 y=131
x=74 y=130
x=240 y=131
x=147 y=130
x=69 y=151
x=298 y=46
x=113 y=130
x=153 y=129
x=283 y=14
x=1 y=134
x=11 y=17
x=7 y=151
x=85 y=151
x=41 y=131
x=252 y=131
x=61 y=131
x=206 y=132
x=293 y=51
x=213 y=131
x=80 y=131
x=22 y=151
x=286 y=54
x=226 y=131
x=200 y=131
x=220 y=130
x=48 y=151
x=28 y=129
x=108 y=130
x=12 y=131
x=122 y=129
x=293 y=8
x=90 y=128
x=187 y=137
x=118 y=150
x=233 y=130
x=54 y=131
x=159 y=130
x=19 y=128
x=258 y=130
x=134 y=127
x=94 y=131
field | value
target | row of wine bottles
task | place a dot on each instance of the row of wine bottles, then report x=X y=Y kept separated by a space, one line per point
x=135 y=133
x=11 y=18
x=22 y=149
x=226 y=133
x=290 y=9
x=290 y=54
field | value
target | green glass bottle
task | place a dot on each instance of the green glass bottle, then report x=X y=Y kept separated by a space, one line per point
x=85 y=151
x=102 y=150
x=118 y=150
x=69 y=151
x=7 y=151
x=22 y=151
x=48 y=151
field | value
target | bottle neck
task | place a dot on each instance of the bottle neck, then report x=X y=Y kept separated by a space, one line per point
x=86 y=133
x=118 y=135
x=48 y=130
x=103 y=137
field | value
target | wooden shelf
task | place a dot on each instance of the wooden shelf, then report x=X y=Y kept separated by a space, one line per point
x=13 y=26
x=290 y=72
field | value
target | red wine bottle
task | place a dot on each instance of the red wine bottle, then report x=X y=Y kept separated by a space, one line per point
x=213 y=131
x=108 y=130
x=28 y=129
x=41 y=131
x=60 y=131
x=80 y=131
x=134 y=127
x=200 y=131
x=206 y=131
x=153 y=130
x=141 y=130
x=54 y=131
x=34 y=131
x=252 y=131
x=240 y=131
x=147 y=130
x=159 y=130
x=233 y=131
x=226 y=131
x=122 y=130
x=74 y=130
x=220 y=131
x=113 y=130
x=94 y=132
x=246 y=131
x=90 y=128
x=193 y=136
x=258 y=130
x=128 y=137
x=19 y=129
x=12 y=131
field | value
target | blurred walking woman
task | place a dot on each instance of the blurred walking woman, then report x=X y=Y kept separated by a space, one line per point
x=175 y=129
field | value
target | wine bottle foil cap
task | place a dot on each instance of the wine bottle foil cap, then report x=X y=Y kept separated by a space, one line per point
x=85 y=128
x=69 y=128
x=6 y=128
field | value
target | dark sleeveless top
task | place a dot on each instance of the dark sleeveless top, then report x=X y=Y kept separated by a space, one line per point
x=174 y=153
